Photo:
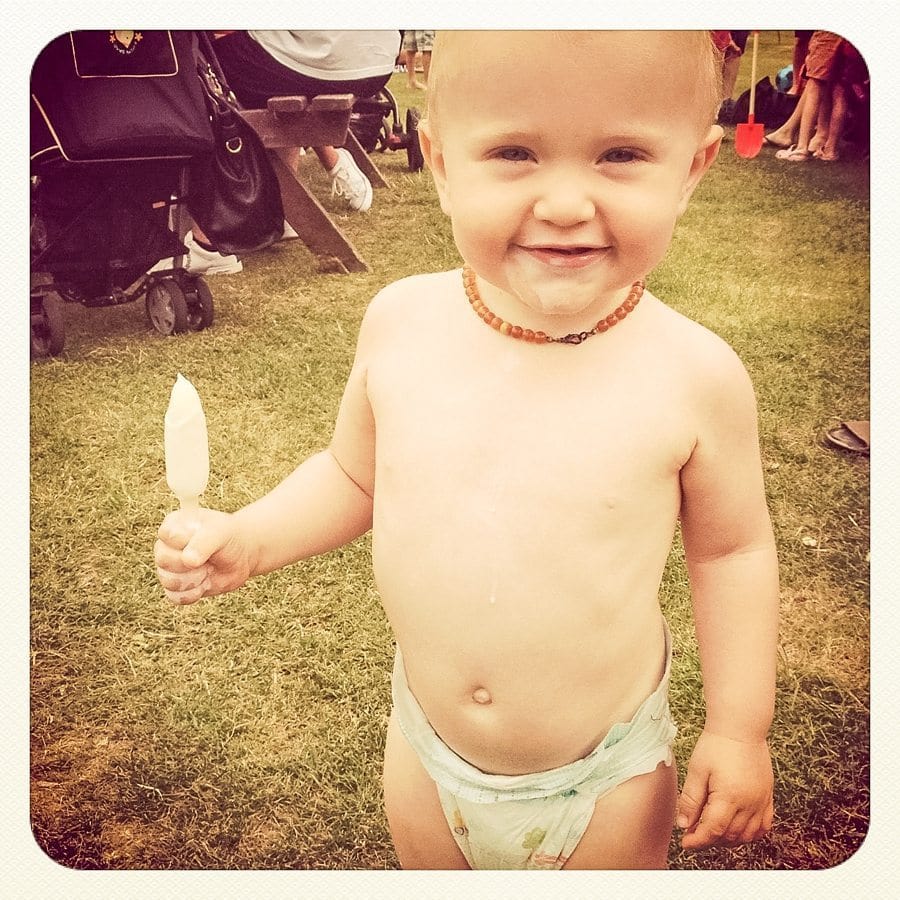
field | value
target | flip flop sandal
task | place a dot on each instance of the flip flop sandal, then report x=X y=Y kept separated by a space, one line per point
x=851 y=435
x=792 y=154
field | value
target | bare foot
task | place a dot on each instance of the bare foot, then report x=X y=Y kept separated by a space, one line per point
x=776 y=139
x=816 y=144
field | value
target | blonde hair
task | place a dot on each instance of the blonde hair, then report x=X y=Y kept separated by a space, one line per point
x=450 y=46
x=708 y=76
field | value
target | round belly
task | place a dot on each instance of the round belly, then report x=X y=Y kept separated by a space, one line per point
x=511 y=712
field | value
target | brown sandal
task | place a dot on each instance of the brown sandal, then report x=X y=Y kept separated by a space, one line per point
x=850 y=435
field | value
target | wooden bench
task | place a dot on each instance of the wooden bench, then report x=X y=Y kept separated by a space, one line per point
x=317 y=122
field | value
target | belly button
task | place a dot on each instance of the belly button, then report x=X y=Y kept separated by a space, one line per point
x=481 y=695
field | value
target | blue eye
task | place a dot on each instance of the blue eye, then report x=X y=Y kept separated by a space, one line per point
x=514 y=154
x=620 y=155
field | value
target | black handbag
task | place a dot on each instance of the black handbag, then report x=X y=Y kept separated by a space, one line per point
x=233 y=191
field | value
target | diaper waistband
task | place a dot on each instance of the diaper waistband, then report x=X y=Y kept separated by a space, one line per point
x=624 y=747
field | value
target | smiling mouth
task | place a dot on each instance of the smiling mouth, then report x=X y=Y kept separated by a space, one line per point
x=565 y=255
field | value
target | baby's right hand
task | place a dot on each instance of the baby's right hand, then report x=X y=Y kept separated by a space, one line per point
x=200 y=553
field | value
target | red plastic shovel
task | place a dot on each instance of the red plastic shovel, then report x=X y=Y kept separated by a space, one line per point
x=748 y=136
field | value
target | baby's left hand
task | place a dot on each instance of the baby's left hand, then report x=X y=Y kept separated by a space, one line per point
x=727 y=795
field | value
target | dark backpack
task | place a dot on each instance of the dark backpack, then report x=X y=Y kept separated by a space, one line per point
x=772 y=107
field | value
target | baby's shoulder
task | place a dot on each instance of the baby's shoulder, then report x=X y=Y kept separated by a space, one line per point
x=408 y=310
x=698 y=352
x=409 y=307
x=414 y=292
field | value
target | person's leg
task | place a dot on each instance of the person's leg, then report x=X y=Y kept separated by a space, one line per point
x=411 y=78
x=808 y=119
x=850 y=69
x=823 y=121
x=202 y=258
x=820 y=69
x=418 y=826
x=426 y=46
x=631 y=826
x=810 y=115
x=786 y=134
x=830 y=150
x=412 y=44
x=327 y=156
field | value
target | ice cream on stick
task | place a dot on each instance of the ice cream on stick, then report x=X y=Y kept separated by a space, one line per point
x=186 y=444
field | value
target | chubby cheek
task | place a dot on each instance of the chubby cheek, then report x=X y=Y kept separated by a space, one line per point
x=482 y=231
x=644 y=236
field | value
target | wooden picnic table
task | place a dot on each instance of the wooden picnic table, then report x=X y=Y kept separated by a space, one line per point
x=316 y=122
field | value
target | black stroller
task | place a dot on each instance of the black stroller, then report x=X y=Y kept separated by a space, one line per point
x=115 y=118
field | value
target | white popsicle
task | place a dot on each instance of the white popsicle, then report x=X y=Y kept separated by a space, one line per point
x=186 y=444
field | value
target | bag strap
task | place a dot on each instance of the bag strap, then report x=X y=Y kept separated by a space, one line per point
x=213 y=73
x=222 y=105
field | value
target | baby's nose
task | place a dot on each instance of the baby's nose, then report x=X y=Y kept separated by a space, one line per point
x=565 y=203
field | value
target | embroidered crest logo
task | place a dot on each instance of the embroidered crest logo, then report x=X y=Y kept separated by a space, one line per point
x=125 y=42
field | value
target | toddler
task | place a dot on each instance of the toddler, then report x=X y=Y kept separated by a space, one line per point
x=522 y=436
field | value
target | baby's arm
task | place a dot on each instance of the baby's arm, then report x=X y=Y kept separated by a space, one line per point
x=324 y=503
x=733 y=569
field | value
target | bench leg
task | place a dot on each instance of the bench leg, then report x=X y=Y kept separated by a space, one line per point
x=313 y=224
x=363 y=160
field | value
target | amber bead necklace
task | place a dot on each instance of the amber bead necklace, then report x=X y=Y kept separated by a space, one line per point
x=539 y=337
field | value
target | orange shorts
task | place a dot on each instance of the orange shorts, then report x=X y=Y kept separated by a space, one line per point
x=822 y=56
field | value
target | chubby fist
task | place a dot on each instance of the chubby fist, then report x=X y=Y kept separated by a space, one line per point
x=727 y=795
x=201 y=553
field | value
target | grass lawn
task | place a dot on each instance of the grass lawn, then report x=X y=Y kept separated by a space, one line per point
x=247 y=731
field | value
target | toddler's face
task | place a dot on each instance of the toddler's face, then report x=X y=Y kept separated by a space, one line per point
x=564 y=161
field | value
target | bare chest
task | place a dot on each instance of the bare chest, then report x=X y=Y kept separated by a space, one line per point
x=527 y=427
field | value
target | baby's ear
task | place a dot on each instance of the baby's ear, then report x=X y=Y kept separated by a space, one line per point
x=703 y=159
x=434 y=159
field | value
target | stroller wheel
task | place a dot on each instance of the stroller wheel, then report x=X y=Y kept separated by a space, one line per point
x=48 y=331
x=200 y=304
x=413 y=149
x=167 y=307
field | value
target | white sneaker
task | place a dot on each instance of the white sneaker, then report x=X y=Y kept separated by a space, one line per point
x=348 y=181
x=199 y=261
